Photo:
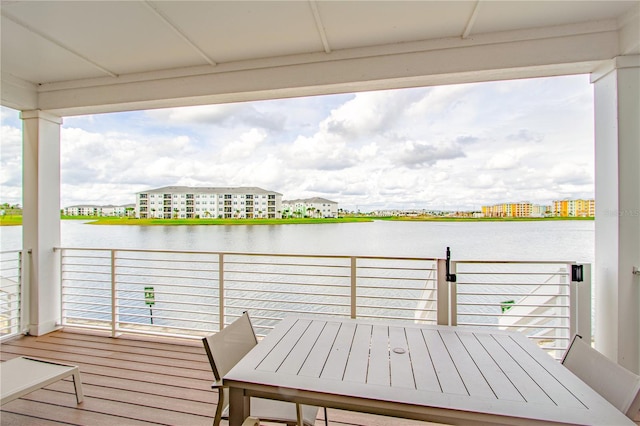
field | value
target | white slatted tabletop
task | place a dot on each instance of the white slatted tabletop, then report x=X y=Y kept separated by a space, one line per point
x=453 y=375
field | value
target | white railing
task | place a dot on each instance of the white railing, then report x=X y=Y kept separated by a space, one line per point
x=193 y=293
x=538 y=299
x=11 y=278
x=196 y=293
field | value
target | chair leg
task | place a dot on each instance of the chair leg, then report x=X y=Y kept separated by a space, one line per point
x=326 y=419
x=299 y=415
x=220 y=408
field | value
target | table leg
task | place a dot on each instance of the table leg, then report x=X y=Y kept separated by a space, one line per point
x=77 y=384
x=239 y=406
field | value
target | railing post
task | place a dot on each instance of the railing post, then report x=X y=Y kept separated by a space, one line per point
x=221 y=301
x=114 y=312
x=442 y=293
x=25 y=290
x=580 y=302
x=354 y=283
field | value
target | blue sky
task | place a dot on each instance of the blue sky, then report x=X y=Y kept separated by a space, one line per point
x=448 y=147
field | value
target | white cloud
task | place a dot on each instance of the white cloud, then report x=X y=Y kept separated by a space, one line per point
x=451 y=146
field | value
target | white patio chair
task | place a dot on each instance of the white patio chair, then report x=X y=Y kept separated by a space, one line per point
x=23 y=375
x=613 y=382
x=224 y=350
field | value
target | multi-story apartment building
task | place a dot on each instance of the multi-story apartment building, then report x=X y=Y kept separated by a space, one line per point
x=202 y=202
x=310 y=207
x=521 y=209
x=94 y=210
x=574 y=208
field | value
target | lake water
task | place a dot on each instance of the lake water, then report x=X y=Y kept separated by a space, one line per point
x=544 y=240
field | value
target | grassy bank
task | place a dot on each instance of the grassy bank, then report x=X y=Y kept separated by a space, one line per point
x=17 y=220
x=11 y=220
x=174 y=222
x=478 y=219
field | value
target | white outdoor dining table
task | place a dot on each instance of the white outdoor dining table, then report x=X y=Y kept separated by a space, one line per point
x=452 y=375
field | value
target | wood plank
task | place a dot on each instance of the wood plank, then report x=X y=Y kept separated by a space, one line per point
x=315 y=362
x=444 y=367
x=296 y=358
x=493 y=374
x=276 y=357
x=423 y=369
x=140 y=367
x=379 y=368
x=547 y=382
x=126 y=370
x=473 y=380
x=337 y=361
x=148 y=359
x=358 y=360
x=400 y=358
x=525 y=385
x=77 y=416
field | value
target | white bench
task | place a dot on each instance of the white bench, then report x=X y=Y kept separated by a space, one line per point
x=23 y=375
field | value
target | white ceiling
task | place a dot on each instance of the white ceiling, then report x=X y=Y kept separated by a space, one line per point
x=51 y=48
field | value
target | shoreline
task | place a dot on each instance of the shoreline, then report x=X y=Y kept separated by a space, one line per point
x=91 y=220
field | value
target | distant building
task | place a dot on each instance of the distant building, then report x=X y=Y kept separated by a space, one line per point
x=574 y=208
x=520 y=209
x=202 y=202
x=310 y=207
x=95 y=210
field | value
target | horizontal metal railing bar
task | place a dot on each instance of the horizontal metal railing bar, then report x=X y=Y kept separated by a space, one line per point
x=67 y=271
x=501 y=273
x=535 y=326
x=292 y=311
x=385 y=317
x=368 y=296
x=511 y=284
x=176 y=277
x=154 y=260
x=165 y=304
x=395 y=308
x=516 y=262
x=373 y=287
x=88 y=281
x=243 y=254
x=289 y=302
x=8 y=311
x=157 y=316
x=391 y=278
x=296 y=283
x=516 y=295
x=160 y=268
x=506 y=315
x=67 y=306
x=159 y=284
x=498 y=305
x=296 y=265
x=255 y=290
x=288 y=274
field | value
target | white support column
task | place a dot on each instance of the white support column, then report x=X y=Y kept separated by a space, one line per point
x=41 y=216
x=617 y=164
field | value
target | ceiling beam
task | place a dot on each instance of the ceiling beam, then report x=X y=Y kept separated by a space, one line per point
x=320 y=25
x=471 y=21
x=456 y=63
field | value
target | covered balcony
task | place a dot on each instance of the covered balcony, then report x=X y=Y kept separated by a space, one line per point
x=62 y=59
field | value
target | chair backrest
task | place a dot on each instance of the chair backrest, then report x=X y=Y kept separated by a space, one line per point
x=613 y=382
x=229 y=345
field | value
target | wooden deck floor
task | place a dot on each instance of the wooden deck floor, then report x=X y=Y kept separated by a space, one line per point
x=131 y=381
